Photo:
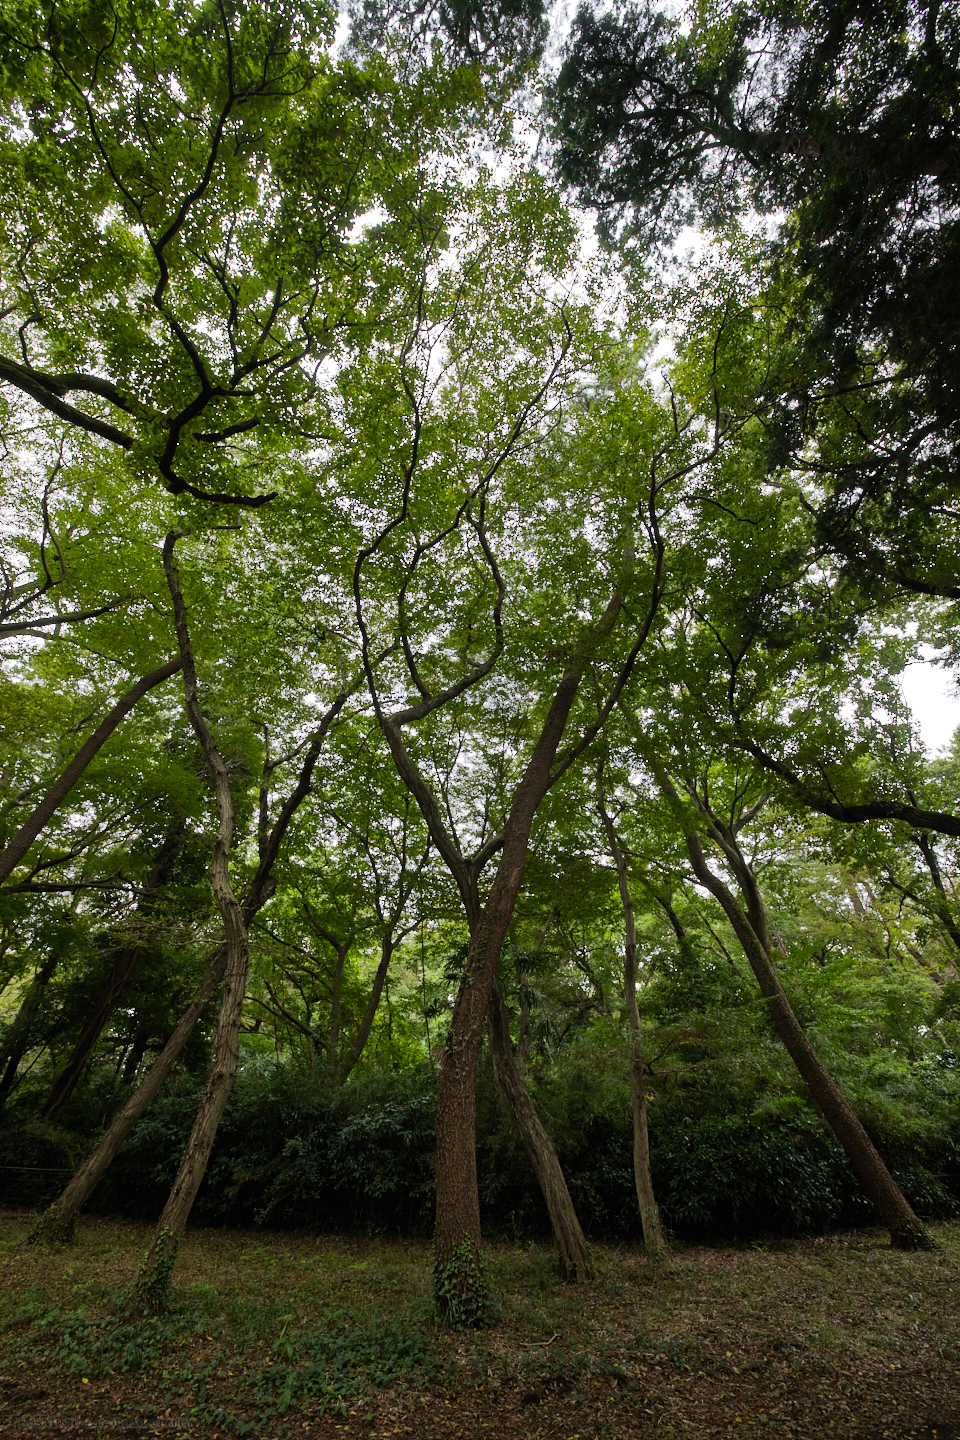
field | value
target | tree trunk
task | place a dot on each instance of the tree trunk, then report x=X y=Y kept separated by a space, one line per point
x=153 y=1284
x=460 y=1286
x=906 y=1230
x=574 y=1259
x=64 y=1210
x=387 y=947
x=653 y=1236
x=65 y=1083
x=17 y=1039
x=64 y=783
x=57 y=1222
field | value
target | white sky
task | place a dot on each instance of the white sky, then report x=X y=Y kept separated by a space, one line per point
x=932 y=695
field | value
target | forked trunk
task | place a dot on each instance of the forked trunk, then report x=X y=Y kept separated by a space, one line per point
x=574 y=1258
x=58 y=1222
x=153 y=1283
x=56 y=1225
x=460 y=1285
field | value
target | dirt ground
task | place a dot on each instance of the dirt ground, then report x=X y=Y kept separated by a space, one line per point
x=915 y=1402
x=838 y=1337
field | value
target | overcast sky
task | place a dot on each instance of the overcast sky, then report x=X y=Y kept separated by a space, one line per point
x=932 y=695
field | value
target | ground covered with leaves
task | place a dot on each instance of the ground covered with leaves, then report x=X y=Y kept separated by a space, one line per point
x=322 y=1337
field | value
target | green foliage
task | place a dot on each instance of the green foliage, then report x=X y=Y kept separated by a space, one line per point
x=863 y=396
x=247 y=275
x=461 y=1289
x=322 y=1365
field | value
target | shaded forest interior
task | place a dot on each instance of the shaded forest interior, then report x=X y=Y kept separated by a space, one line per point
x=455 y=772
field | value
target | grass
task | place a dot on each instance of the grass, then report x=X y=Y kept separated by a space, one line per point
x=266 y=1325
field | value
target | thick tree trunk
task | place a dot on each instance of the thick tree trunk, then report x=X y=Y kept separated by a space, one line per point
x=653 y=1235
x=574 y=1259
x=65 y=1083
x=62 y=786
x=906 y=1230
x=57 y=1222
x=460 y=1286
x=17 y=1039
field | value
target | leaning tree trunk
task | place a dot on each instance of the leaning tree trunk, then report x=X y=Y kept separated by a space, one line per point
x=906 y=1230
x=460 y=1284
x=17 y=1039
x=65 y=1083
x=653 y=1235
x=574 y=1259
x=65 y=782
x=57 y=1222
x=153 y=1284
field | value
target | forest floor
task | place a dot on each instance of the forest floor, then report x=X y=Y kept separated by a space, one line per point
x=330 y=1337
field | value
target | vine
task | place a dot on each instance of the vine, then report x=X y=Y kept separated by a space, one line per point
x=461 y=1289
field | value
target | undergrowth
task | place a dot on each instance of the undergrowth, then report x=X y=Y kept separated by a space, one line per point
x=322 y=1365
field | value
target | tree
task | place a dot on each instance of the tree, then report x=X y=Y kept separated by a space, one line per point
x=748 y=920
x=653 y=1235
x=153 y=1283
x=466 y=418
x=65 y=782
x=666 y=118
x=232 y=163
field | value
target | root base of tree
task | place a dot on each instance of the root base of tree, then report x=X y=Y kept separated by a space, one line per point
x=915 y=1238
x=461 y=1290
x=53 y=1229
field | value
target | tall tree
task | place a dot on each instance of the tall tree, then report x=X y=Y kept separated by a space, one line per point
x=748 y=918
x=845 y=117
x=653 y=1235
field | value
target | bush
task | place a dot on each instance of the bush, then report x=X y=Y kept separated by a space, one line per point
x=293 y=1151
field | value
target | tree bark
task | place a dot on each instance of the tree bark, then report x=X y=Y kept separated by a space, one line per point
x=574 y=1258
x=653 y=1235
x=459 y=1282
x=906 y=1230
x=56 y=1225
x=17 y=1039
x=65 y=1083
x=62 y=786
x=153 y=1284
